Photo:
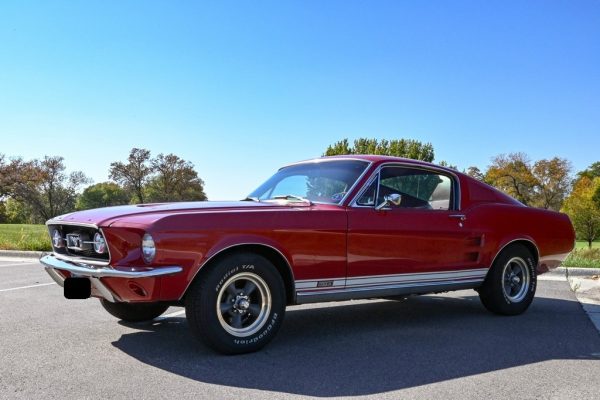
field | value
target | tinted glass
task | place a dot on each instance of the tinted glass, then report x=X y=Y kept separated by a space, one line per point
x=418 y=188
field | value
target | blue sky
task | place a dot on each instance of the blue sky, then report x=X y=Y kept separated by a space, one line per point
x=241 y=88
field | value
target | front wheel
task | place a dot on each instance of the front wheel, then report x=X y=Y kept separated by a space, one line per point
x=237 y=305
x=134 y=312
x=510 y=285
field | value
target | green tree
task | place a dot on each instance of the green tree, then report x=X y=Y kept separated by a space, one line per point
x=583 y=208
x=175 y=180
x=591 y=172
x=475 y=173
x=407 y=148
x=103 y=194
x=446 y=164
x=135 y=174
x=17 y=212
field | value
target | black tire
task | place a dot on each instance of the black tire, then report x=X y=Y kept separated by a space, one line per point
x=134 y=312
x=510 y=284
x=244 y=322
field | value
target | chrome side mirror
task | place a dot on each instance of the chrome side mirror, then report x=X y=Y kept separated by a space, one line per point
x=393 y=199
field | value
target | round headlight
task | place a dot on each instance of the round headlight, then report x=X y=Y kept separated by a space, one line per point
x=148 y=248
x=99 y=243
x=57 y=240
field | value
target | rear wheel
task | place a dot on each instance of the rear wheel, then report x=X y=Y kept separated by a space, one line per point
x=510 y=285
x=134 y=312
x=237 y=305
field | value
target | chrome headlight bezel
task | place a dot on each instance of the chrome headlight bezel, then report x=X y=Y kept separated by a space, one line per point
x=99 y=243
x=148 y=248
x=57 y=239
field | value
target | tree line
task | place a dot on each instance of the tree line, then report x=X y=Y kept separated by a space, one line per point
x=36 y=190
x=33 y=191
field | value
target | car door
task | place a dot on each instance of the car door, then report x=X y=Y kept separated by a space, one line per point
x=423 y=240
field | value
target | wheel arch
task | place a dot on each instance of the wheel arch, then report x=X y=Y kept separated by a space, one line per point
x=276 y=257
x=528 y=243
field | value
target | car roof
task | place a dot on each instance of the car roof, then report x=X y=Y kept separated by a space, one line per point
x=375 y=159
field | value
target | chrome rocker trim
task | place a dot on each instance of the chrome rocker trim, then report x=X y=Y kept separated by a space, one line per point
x=52 y=265
x=384 y=291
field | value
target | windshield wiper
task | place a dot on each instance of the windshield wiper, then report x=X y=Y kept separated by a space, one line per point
x=292 y=197
x=251 y=198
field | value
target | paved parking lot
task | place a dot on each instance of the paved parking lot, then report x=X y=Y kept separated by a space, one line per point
x=437 y=346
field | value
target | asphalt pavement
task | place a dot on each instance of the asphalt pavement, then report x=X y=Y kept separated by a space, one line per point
x=444 y=346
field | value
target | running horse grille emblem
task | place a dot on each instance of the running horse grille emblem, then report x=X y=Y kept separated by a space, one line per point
x=78 y=241
x=74 y=241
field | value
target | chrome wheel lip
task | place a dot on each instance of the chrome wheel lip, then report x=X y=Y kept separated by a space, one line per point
x=515 y=279
x=265 y=303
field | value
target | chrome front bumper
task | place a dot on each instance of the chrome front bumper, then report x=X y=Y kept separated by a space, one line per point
x=94 y=273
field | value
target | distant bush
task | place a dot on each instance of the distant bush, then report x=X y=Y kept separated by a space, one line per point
x=583 y=258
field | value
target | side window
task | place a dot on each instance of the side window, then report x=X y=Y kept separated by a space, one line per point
x=368 y=196
x=419 y=188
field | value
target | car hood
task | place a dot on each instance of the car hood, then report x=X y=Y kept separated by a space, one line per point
x=108 y=215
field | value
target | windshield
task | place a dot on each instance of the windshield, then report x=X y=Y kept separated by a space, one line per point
x=319 y=182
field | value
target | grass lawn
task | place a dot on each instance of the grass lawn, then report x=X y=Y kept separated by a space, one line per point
x=24 y=237
x=580 y=244
x=583 y=256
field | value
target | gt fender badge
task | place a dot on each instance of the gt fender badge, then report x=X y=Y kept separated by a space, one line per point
x=324 y=283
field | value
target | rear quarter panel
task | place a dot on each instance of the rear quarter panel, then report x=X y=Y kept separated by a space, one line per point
x=501 y=224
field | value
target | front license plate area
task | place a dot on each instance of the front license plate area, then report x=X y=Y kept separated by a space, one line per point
x=77 y=288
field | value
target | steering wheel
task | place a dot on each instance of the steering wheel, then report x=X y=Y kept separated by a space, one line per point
x=338 y=196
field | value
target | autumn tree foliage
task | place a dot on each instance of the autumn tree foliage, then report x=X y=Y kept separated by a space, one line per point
x=543 y=184
x=407 y=148
x=512 y=174
x=583 y=207
x=37 y=190
x=41 y=186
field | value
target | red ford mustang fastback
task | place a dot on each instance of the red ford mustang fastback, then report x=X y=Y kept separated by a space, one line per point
x=333 y=228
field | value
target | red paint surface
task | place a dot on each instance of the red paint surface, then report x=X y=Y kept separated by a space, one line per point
x=328 y=241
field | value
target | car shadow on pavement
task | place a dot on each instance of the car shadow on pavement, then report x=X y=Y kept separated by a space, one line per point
x=374 y=347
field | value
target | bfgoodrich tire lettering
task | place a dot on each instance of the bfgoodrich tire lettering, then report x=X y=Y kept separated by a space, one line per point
x=237 y=305
x=510 y=285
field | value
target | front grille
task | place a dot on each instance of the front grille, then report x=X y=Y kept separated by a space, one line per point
x=76 y=241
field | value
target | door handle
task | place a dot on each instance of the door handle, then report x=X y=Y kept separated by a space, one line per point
x=461 y=217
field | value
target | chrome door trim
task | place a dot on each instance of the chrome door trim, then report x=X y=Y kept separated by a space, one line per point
x=455 y=180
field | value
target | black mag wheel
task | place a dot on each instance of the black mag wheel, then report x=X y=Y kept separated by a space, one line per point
x=237 y=305
x=134 y=312
x=515 y=279
x=510 y=285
